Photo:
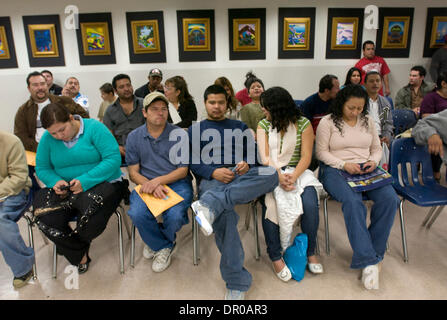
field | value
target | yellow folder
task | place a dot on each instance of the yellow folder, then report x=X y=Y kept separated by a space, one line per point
x=31 y=158
x=156 y=205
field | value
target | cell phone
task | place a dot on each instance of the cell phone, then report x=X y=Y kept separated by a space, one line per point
x=63 y=188
x=363 y=167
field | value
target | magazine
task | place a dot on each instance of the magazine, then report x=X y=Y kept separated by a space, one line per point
x=368 y=181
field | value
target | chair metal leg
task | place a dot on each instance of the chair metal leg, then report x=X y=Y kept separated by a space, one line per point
x=402 y=227
x=132 y=247
x=125 y=221
x=31 y=243
x=248 y=216
x=429 y=215
x=435 y=216
x=120 y=234
x=326 y=226
x=195 y=241
x=255 y=226
x=54 y=261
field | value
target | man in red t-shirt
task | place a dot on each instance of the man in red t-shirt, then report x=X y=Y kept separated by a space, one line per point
x=371 y=62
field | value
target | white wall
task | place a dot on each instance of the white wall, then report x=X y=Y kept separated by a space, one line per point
x=300 y=77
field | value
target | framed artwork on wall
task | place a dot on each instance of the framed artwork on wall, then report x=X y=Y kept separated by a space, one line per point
x=344 y=33
x=435 y=30
x=394 y=33
x=44 y=40
x=95 y=39
x=7 y=51
x=145 y=32
x=247 y=33
x=296 y=29
x=196 y=35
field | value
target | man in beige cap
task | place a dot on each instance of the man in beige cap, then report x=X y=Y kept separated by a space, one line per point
x=153 y=166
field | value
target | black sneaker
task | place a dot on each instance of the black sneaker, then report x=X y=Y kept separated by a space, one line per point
x=19 y=282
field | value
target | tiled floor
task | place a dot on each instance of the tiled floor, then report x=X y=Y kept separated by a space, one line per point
x=423 y=277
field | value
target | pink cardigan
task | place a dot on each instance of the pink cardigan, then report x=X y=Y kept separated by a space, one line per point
x=357 y=144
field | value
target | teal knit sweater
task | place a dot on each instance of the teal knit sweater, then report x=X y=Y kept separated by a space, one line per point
x=94 y=159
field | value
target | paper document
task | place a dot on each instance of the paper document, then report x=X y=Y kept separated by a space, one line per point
x=156 y=205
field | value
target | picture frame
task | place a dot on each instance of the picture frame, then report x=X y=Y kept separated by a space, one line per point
x=395 y=32
x=8 y=57
x=150 y=25
x=436 y=18
x=439 y=32
x=145 y=36
x=247 y=33
x=296 y=30
x=393 y=38
x=196 y=35
x=344 y=33
x=4 y=47
x=44 y=40
x=95 y=38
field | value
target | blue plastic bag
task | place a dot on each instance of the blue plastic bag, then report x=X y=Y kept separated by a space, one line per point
x=295 y=257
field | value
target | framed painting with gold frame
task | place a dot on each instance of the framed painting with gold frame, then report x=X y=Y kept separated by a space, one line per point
x=145 y=31
x=344 y=33
x=395 y=32
x=95 y=39
x=196 y=35
x=438 y=32
x=296 y=33
x=296 y=28
x=4 y=48
x=145 y=36
x=393 y=38
x=44 y=40
x=247 y=33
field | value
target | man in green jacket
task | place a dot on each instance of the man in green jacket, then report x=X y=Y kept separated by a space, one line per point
x=411 y=96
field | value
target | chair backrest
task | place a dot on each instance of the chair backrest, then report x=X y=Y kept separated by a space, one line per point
x=404 y=152
x=403 y=119
x=299 y=103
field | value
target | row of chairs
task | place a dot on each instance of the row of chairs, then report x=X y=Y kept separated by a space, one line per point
x=406 y=159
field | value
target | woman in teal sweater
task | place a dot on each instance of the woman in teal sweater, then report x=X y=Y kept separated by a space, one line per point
x=79 y=162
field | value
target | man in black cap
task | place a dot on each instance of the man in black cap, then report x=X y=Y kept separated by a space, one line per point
x=154 y=84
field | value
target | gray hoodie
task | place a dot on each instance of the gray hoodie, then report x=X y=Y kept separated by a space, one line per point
x=428 y=126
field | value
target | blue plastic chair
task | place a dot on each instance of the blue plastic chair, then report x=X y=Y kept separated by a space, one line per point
x=29 y=222
x=298 y=104
x=407 y=184
x=403 y=119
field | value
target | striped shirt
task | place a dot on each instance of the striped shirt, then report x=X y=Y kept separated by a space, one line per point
x=301 y=125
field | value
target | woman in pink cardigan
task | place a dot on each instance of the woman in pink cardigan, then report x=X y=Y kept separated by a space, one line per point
x=345 y=139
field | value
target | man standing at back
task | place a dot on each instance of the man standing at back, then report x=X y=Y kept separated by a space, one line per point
x=371 y=62
x=53 y=88
x=27 y=124
x=223 y=156
x=154 y=84
x=317 y=105
x=125 y=114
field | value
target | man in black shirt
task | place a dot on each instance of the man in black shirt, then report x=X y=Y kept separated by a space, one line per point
x=54 y=88
x=154 y=84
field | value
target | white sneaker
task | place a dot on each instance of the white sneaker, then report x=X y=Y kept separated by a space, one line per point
x=148 y=253
x=204 y=217
x=234 y=295
x=162 y=259
x=370 y=277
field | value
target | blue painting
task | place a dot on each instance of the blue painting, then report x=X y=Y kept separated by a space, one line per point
x=296 y=33
x=43 y=40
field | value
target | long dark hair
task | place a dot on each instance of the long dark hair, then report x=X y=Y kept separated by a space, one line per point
x=179 y=83
x=281 y=106
x=349 y=75
x=336 y=108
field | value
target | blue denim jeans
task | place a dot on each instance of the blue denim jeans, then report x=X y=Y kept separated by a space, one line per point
x=18 y=256
x=221 y=199
x=159 y=236
x=368 y=243
x=309 y=225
